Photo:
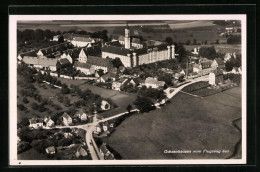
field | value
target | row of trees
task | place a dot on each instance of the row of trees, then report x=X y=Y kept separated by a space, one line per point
x=37 y=35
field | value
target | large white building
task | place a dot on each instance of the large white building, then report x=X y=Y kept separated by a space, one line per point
x=135 y=54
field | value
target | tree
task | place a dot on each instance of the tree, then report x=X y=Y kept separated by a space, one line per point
x=34 y=106
x=194 y=41
x=61 y=39
x=25 y=100
x=188 y=42
x=205 y=42
x=144 y=104
x=21 y=107
x=39 y=35
x=129 y=108
x=65 y=89
x=168 y=40
x=208 y=52
x=117 y=62
x=66 y=102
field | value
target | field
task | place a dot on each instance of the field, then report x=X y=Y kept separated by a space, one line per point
x=187 y=123
x=223 y=48
x=121 y=99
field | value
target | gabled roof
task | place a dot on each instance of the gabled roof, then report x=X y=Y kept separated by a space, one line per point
x=56 y=48
x=220 y=61
x=74 y=53
x=64 y=61
x=105 y=77
x=103 y=148
x=82 y=39
x=35 y=120
x=99 y=61
x=82 y=65
x=82 y=151
x=47 y=62
x=218 y=72
x=116 y=50
x=32 y=54
x=92 y=51
x=51 y=149
x=121 y=38
x=136 y=40
x=151 y=80
x=65 y=115
x=31 y=60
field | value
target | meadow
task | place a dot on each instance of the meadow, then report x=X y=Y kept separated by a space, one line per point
x=187 y=123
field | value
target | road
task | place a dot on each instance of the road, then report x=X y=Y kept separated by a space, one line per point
x=93 y=149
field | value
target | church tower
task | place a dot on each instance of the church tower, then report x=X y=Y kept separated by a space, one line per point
x=127 y=37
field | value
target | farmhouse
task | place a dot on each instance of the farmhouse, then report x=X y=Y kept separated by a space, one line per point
x=36 y=123
x=82 y=117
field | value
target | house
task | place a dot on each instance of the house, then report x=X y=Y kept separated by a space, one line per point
x=104 y=151
x=82 y=117
x=41 y=63
x=66 y=119
x=50 y=150
x=216 y=77
x=63 y=62
x=116 y=86
x=105 y=105
x=67 y=135
x=48 y=122
x=110 y=157
x=81 y=151
x=110 y=130
x=196 y=68
x=97 y=129
x=104 y=78
x=153 y=82
x=36 y=123
x=99 y=73
x=84 y=68
x=105 y=126
x=56 y=38
x=204 y=63
x=217 y=63
x=113 y=76
x=196 y=50
x=82 y=41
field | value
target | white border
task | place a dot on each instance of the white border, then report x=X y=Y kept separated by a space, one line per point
x=13 y=88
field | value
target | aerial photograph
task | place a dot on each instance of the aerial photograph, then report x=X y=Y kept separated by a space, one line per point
x=129 y=89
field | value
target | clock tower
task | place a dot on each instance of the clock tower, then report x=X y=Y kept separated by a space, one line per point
x=127 y=37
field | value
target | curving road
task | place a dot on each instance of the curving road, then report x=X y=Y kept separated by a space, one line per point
x=94 y=150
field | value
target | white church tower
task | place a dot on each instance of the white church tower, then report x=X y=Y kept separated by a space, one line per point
x=127 y=37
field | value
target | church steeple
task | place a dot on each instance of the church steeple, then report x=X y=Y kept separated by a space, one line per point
x=127 y=37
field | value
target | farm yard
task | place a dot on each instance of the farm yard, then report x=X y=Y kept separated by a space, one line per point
x=187 y=123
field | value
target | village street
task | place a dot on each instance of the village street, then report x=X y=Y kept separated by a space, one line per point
x=90 y=127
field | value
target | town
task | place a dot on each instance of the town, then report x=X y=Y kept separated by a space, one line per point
x=75 y=89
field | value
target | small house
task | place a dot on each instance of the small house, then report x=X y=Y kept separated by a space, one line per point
x=97 y=129
x=105 y=105
x=216 y=77
x=217 y=63
x=36 y=123
x=82 y=117
x=48 y=122
x=116 y=86
x=105 y=126
x=67 y=135
x=153 y=82
x=104 y=151
x=50 y=150
x=81 y=152
x=66 y=119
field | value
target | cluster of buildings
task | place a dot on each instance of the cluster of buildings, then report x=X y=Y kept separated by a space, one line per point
x=88 y=55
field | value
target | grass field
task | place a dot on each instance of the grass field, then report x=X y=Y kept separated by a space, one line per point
x=121 y=99
x=187 y=123
x=224 y=48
